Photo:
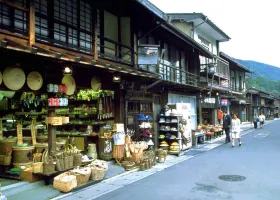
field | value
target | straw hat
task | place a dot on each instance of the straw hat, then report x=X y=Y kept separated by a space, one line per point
x=34 y=80
x=14 y=78
x=95 y=84
x=1 y=78
x=69 y=81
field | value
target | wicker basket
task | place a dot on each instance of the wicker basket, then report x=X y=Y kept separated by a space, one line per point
x=37 y=167
x=77 y=161
x=82 y=175
x=48 y=167
x=97 y=173
x=138 y=156
x=65 y=182
x=66 y=162
x=7 y=160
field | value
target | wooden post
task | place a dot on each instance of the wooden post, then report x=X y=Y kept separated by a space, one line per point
x=33 y=131
x=19 y=134
x=51 y=133
x=31 y=25
x=1 y=128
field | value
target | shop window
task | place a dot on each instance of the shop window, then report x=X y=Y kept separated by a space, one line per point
x=14 y=19
x=69 y=25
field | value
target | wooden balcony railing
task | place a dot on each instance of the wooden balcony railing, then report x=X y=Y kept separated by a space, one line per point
x=112 y=50
x=173 y=74
x=237 y=89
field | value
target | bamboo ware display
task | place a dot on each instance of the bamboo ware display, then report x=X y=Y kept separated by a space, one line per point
x=82 y=174
x=65 y=182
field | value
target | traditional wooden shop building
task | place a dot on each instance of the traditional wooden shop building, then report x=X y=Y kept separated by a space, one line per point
x=237 y=98
x=116 y=61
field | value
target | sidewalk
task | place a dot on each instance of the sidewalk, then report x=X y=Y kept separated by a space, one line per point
x=115 y=178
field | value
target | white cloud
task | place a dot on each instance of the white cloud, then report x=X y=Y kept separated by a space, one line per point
x=252 y=25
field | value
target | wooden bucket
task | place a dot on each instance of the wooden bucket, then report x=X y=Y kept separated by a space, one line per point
x=23 y=154
x=4 y=144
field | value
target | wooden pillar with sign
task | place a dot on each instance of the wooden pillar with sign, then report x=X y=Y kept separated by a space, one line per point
x=19 y=134
x=51 y=132
x=33 y=131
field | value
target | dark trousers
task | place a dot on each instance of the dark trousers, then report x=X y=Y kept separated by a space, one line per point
x=227 y=135
x=255 y=125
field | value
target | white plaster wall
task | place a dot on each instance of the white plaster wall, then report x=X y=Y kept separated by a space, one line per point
x=198 y=32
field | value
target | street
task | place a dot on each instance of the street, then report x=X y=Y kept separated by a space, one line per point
x=197 y=178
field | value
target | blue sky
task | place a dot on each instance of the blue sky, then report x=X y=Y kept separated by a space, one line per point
x=253 y=25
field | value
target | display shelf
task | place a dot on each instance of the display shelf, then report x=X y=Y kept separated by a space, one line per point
x=169 y=139
x=31 y=113
x=168 y=131
x=168 y=122
x=174 y=125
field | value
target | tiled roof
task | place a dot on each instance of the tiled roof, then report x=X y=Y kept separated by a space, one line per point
x=231 y=59
x=193 y=16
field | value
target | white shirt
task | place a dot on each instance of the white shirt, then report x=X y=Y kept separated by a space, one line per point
x=235 y=124
x=262 y=118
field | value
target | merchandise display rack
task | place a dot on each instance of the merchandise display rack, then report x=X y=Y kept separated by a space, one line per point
x=172 y=132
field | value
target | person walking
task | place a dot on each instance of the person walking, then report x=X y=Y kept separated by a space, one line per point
x=235 y=130
x=226 y=126
x=262 y=120
x=256 y=120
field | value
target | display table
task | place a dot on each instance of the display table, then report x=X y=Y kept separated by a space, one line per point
x=198 y=137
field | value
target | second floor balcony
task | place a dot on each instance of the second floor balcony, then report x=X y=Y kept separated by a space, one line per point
x=237 y=89
x=171 y=73
x=218 y=76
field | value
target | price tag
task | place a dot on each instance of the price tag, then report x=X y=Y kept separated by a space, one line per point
x=1 y=128
x=19 y=134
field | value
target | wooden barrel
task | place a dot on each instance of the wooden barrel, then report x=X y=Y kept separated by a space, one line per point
x=23 y=154
x=4 y=144
x=105 y=148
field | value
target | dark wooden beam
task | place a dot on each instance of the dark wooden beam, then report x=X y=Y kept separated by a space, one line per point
x=31 y=30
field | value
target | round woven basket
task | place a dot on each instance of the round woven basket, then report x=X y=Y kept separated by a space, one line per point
x=14 y=78
x=95 y=84
x=70 y=83
x=1 y=78
x=34 y=80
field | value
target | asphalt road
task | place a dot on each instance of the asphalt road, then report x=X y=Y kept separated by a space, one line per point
x=258 y=160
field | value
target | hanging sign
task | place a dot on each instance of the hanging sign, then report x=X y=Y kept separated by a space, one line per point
x=19 y=134
x=224 y=102
x=1 y=128
x=210 y=100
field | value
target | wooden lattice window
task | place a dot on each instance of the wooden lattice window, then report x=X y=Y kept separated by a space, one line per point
x=14 y=18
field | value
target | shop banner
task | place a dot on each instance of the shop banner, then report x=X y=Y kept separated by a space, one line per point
x=207 y=102
x=19 y=134
x=148 y=54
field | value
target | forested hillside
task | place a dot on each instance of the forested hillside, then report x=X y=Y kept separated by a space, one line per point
x=265 y=77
